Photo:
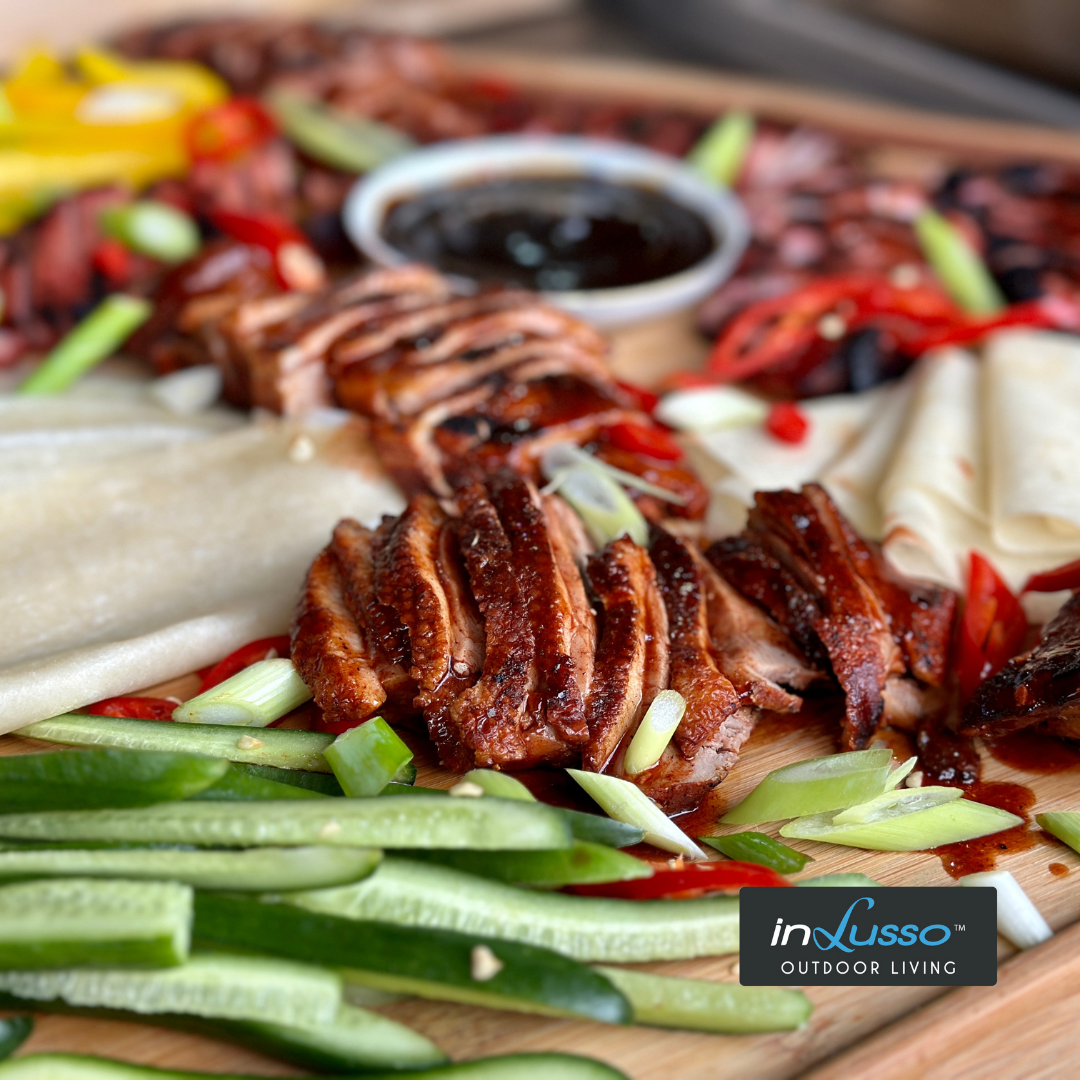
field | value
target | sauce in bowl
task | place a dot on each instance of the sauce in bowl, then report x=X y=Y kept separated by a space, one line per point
x=551 y=233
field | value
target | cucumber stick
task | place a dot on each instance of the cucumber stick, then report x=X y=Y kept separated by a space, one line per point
x=509 y=1067
x=228 y=987
x=428 y=963
x=237 y=785
x=582 y=864
x=73 y=921
x=88 y=779
x=280 y=747
x=14 y=1031
x=402 y=822
x=717 y=1007
x=253 y=870
x=323 y=783
x=585 y=928
x=356 y=1040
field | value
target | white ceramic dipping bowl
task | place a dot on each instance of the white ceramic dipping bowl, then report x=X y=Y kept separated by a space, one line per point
x=475 y=160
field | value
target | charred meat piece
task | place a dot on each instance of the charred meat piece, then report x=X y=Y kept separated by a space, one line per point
x=853 y=625
x=501 y=716
x=1043 y=685
x=551 y=611
x=330 y=648
x=710 y=697
x=623 y=579
x=418 y=575
x=920 y=615
x=757 y=657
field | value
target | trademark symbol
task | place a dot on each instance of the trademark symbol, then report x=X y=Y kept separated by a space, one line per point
x=958 y=926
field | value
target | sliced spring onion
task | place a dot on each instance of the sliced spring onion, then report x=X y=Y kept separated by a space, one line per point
x=655 y=731
x=153 y=228
x=814 y=786
x=710 y=408
x=756 y=847
x=718 y=1007
x=254 y=697
x=1064 y=824
x=190 y=390
x=566 y=455
x=97 y=337
x=721 y=152
x=368 y=757
x=346 y=142
x=1018 y=919
x=901 y=773
x=499 y=784
x=911 y=819
x=625 y=802
x=846 y=881
x=605 y=508
x=228 y=986
x=957 y=264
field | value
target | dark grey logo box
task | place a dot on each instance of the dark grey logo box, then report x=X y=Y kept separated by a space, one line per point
x=868 y=937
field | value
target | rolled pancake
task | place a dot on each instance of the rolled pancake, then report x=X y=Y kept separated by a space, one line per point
x=1033 y=419
x=739 y=461
x=123 y=573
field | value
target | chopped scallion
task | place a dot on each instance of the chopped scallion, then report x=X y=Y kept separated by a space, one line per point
x=606 y=510
x=499 y=784
x=721 y=152
x=655 y=731
x=96 y=338
x=900 y=773
x=814 y=786
x=368 y=757
x=254 y=697
x=1064 y=824
x=833 y=881
x=756 y=847
x=625 y=802
x=711 y=408
x=153 y=228
x=1018 y=919
x=957 y=264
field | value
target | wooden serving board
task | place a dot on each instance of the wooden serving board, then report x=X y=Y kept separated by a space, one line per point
x=1006 y=1039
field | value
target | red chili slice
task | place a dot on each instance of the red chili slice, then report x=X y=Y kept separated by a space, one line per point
x=652 y=442
x=993 y=628
x=787 y=422
x=644 y=399
x=136 y=708
x=229 y=130
x=245 y=656
x=1061 y=577
x=295 y=260
x=113 y=261
x=690 y=880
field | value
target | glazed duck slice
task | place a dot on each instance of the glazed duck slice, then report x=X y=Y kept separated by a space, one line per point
x=758 y=658
x=418 y=575
x=1042 y=686
x=853 y=625
x=632 y=655
x=500 y=716
x=548 y=598
x=331 y=650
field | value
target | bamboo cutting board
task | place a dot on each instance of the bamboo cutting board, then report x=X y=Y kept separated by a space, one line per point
x=1022 y=1027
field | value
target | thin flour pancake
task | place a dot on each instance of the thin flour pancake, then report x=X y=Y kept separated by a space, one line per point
x=213 y=535
x=1033 y=439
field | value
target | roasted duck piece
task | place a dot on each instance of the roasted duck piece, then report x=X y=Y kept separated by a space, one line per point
x=1041 y=687
x=520 y=645
x=885 y=639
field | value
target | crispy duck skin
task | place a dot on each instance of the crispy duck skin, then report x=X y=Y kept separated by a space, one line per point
x=416 y=575
x=1044 y=685
x=853 y=625
x=710 y=697
x=548 y=600
x=500 y=716
x=921 y=615
x=352 y=544
x=757 y=657
x=621 y=576
x=330 y=650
